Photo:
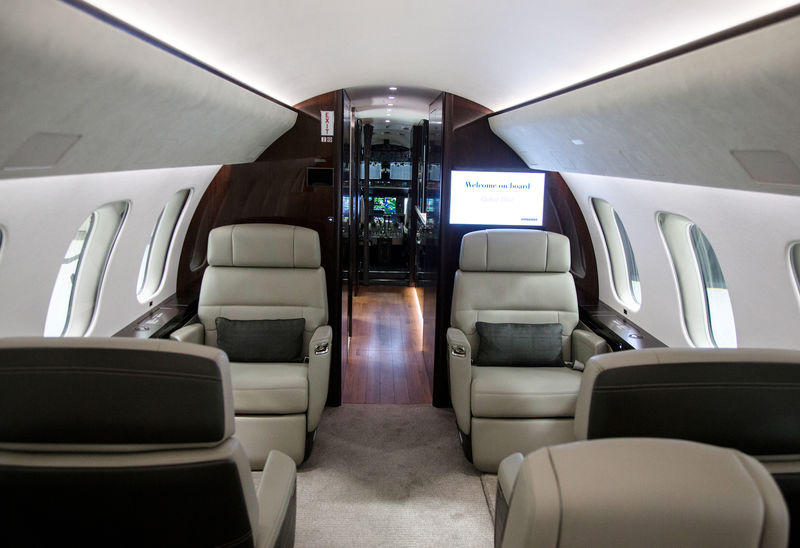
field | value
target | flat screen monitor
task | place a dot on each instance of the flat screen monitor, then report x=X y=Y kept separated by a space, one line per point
x=502 y=198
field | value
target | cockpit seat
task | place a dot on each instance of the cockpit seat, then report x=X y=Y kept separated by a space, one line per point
x=264 y=301
x=514 y=326
x=129 y=442
x=633 y=492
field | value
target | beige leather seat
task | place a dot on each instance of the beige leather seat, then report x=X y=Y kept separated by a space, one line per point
x=744 y=398
x=637 y=492
x=126 y=442
x=269 y=272
x=518 y=277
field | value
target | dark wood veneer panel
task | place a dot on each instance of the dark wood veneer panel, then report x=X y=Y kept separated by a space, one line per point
x=273 y=189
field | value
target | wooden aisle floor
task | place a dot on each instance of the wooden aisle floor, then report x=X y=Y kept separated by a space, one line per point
x=385 y=363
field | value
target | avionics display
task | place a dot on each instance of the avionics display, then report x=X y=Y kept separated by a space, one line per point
x=384 y=206
x=496 y=198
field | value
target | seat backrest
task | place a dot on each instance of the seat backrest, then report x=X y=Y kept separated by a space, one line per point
x=632 y=492
x=514 y=276
x=120 y=442
x=263 y=272
x=744 y=398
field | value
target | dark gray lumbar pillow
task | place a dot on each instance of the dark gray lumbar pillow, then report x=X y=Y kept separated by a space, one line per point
x=519 y=344
x=261 y=340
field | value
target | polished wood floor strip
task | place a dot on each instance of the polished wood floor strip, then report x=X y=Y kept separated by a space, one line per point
x=385 y=362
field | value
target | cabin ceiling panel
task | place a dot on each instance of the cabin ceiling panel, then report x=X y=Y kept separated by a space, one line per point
x=679 y=120
x=131 y=104
x=497 y=54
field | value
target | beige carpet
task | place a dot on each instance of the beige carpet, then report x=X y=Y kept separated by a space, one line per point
x=390 y=475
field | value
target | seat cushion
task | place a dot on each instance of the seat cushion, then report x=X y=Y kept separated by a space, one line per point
x=524 y=392
x=270 y=388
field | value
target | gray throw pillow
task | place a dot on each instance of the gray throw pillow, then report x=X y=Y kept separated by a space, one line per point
x=519 y=344
x=261 y=340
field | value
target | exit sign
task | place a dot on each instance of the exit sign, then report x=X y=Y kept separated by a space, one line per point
x=326 y=121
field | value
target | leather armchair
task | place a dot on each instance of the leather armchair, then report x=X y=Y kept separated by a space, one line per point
x=269 y=271
x=631 y=492
x=130 y=442
x=514 y=276
x=744 y=398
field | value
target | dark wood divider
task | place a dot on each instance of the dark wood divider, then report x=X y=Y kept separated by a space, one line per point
x=274 y=189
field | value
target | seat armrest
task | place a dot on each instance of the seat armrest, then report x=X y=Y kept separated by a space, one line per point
x=507 y=474
x=192 y=333
x=459 y=359
x=586 y=344
x=277 y=502
x=319 y=368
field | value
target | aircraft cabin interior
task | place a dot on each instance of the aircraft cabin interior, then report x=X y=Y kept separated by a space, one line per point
x=423 y=274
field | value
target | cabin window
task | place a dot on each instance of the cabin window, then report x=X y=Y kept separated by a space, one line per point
x=154 y=261
x=77 y=287
x=707 y=309
x=624 y=273
x=794 y=262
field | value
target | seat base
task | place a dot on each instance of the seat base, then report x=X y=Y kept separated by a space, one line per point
x=500 y=516
x=466 y=444
x=495 y=439
x=261 y=434
x=310 y=437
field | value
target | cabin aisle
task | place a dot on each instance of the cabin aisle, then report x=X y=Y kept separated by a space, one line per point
x=390 y=475
x=385 y=364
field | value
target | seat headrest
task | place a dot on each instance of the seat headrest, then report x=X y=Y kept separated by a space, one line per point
x=514 y=250
x=744 y=398
x=264 y=245
x=113 y=394
x=645 y=492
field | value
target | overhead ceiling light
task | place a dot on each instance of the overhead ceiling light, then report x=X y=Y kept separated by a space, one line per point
x=392 y=88
x=577 y=141
x=391 y=97
x=387 y=121
x=391 y=104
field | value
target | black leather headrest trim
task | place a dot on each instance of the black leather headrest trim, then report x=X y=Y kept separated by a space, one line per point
x=109 y=396
x=753 y=407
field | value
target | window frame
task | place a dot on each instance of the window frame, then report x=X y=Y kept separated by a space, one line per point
x=793 y=257
x=105 y=225
x=676 y=232
x=622 y=276
x=153 y=267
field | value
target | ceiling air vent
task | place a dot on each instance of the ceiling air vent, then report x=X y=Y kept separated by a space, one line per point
x=41 y=151
x=768 y=166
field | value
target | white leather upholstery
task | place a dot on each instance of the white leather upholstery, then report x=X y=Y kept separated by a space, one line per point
x=524 y=392
x=246 y=293
x=644 y=492
x=514 y=297
x=514 y=276
x=266 y=272
x=102 y=436
x=514 y=250
x=244 y=245
x=270 y=388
